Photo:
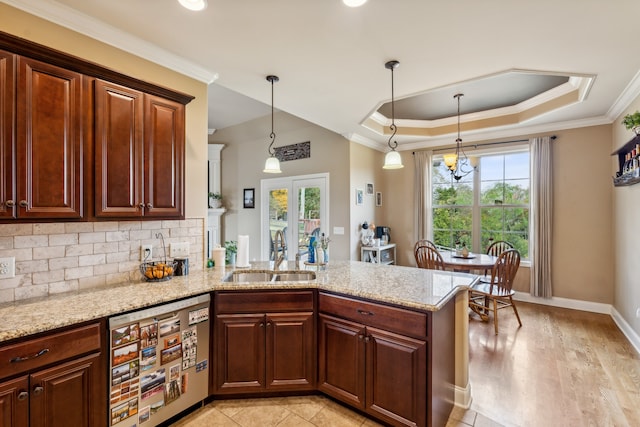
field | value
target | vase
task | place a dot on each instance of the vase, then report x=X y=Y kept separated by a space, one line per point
x=215 y=203
x=636 y=130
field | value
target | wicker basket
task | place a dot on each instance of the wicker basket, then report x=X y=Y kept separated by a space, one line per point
x=157 y=271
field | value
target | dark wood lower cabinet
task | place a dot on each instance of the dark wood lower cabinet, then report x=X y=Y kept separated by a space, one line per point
x=14 y=402
x=379 y=372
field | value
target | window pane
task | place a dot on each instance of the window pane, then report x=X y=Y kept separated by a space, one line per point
x=492 y=168
x=456 y=194
x=516 y=165
x=451 y=225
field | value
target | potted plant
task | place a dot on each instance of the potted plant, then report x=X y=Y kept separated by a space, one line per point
x=215 y=200
x=632 y=121
x=231 y=249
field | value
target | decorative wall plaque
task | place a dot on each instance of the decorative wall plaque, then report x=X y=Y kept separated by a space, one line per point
x=301 y=150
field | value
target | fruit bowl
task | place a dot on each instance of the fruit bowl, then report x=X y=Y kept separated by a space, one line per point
x=157 y=271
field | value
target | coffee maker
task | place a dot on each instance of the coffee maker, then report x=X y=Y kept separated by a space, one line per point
x=384 y=234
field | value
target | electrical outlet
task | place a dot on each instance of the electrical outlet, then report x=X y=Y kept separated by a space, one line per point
x=179 y=250
x=146 y=252
x=7 y=267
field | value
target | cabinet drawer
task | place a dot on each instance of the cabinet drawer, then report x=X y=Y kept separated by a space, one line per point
x=371 y=314
x=263 y=302
x=38 y=352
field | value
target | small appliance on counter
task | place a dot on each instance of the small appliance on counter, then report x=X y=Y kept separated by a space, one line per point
x=384 y=234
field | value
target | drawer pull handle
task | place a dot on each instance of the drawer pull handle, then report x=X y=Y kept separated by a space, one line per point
x=365 y=313
x=23 y=395
x=37 y=391
x=32 y=356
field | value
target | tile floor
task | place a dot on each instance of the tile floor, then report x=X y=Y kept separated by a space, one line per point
x=301 y=411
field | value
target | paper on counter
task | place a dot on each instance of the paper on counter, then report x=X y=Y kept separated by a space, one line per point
x=242 y=259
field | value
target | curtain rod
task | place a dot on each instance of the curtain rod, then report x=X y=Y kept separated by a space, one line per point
x=474 y=146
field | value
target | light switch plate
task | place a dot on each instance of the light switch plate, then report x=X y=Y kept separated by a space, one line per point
x=338 y=230
x=179 y=250
x=7 y=267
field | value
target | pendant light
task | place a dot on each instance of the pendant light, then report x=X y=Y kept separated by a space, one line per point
x=354 y=3
x=458 y=161
x=272 y=165
x=194 y=4
x=392 y=159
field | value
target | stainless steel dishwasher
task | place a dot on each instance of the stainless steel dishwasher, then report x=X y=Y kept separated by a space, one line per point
x=159 y=362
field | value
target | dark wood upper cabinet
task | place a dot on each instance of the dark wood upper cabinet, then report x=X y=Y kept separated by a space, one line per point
x=49 y=141
x=7 y=127
x=119 y=162
x=139 y=154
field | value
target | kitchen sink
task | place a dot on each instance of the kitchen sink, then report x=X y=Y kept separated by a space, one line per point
x=249 y=276
x=298 y=276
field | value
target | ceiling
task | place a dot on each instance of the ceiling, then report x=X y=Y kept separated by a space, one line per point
x=331 y=60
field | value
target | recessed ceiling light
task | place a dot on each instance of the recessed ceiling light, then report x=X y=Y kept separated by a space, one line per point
x=194 y=4
x=354 y=3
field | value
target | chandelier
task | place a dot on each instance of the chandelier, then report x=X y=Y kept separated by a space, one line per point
x=457 y=162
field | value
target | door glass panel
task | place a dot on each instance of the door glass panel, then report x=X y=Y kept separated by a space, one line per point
x=309 y=221
x=278 y=219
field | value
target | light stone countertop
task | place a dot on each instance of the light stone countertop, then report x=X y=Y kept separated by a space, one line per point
x=425 y=290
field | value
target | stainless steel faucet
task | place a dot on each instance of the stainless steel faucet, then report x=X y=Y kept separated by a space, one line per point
x=279 y=248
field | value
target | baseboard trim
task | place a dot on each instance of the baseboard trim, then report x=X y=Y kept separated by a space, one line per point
x=594 y=307
x=462 y=396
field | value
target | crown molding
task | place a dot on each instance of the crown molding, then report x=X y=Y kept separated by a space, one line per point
x=628 y=95
x=367 y=142
x=98 y=30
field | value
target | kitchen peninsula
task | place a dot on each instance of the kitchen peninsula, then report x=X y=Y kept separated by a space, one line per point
x=396 y=316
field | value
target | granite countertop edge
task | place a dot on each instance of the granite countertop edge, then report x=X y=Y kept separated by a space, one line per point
x=33 y=316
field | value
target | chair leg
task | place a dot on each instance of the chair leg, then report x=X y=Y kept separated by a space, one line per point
x=495 y=314
x=515 y=310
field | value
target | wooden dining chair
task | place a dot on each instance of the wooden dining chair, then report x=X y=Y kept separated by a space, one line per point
x=424 y=242
x=496 y=295
x=496 y=248
x=427 y=256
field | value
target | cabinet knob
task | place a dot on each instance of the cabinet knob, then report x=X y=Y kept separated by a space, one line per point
x=23 y=203
x=360 y=337
x=149 y=206
x=141 y=205
x=367 y=339
x=37 y=391
x=10 y=203
x=262 y=324
x=23 y=395
x=268 y=323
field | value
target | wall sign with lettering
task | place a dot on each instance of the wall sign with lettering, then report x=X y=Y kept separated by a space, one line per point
x=301 y=150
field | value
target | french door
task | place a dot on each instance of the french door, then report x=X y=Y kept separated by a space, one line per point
x=296 y=205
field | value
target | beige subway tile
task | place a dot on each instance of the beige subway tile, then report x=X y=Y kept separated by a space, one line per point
x=24 y=267
x=16 y=229
x=151 y=225
x=116 y=278
x=25 y=254
x=78 y=272
x=6 y=295
x=63 y=263
x=63 y=239
x=128 y=266
x=91 y=282
x=79 y=227
x=141 y=234
x=171 y=224
x=84 y=249
x=49 y=228
x=117 y=257
x=48 y=252
x=85 y=260
x=106 y=248
x=105 y=226
x=41 y=278
x=179 y=232
x=33 y=291
x=65 y=286
x=103 y=269
x=31 y=241
x=12 y=282
x=95 y=237
x=6 y=242
x=116 y=236
x=129 y=225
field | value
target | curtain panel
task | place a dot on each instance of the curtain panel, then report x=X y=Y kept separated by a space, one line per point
x=541 y=217
x=422 y=197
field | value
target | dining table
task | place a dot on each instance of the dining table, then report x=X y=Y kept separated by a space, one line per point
x=473 y=261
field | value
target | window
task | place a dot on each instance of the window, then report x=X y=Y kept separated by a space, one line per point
x=492 y=203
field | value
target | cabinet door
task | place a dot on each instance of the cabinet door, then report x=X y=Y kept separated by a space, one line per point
x=49 y=141
x=14 y=403
x=164 y=157
x=290 y=351
x=341 y=362
x=240 y=351
x=7 y=120
x=68 y=395
x=396 y=378
x=119 y=161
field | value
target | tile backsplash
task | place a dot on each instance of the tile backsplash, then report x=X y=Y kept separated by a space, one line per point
x=58 y=257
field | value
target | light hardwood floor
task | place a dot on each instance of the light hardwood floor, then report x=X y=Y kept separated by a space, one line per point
x=562 y=368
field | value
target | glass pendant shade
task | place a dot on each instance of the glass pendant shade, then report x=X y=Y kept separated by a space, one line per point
x=450 y=160
x=392 y=160
x=354 y=3
x=272 y=165
x=194 y=4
